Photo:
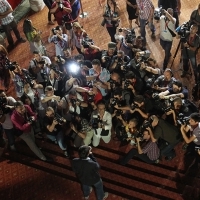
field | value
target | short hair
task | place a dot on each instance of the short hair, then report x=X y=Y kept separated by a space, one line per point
x=134 y=120
x=49 y=109
x=117 y=92
x=130 y=75
x=96 y=62
x=178 y=100
x=18 y=103
x=83 y=151
x=36 y=52
x=120 y=52
x=178 y=83
x=101 y=102
x=195 y=117
x=48 y=88
x=79 y=57
x=139 y=98
x=196 y=26
x=72 y=92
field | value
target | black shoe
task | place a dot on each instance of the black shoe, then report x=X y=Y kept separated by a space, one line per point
x=168 y=158
x=48 y=159
x=66 y=154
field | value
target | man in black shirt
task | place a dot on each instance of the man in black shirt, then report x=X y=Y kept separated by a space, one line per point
x=86 y=168
x=53 y=129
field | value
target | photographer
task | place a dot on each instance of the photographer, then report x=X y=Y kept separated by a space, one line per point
x=141 y=108
x=164 y=82
x=59 y=39
x=119 y=61
x=107 y=55
x=60 y=9
x=167 y=25
x=177 y=90
x=90 y=51
x=133 y=83
x=39 y=68
x=101 y=121
x=195 y=18
x=22 y=118
x=148 y=153
x=99 y=76
x=127 y=131
x=49 y=99
x=189 y=51
x=6 y=108
x=194 y=140
x=82 y=131
x=53 y=128
x=75 y=102
x=93 y=95
x=166 y=135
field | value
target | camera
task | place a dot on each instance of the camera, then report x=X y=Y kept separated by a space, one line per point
x=27 y=78
x=55 y=69
x=157 y=13
x=181 y=119
x=31 y=119
x=59 y=57
x=130 y=37
x=73 y=102
x=60 y=6
x=86 y=41
x=155 y=97
x=113 y=84
x=119 y=112
x=182 y=30
x=150 y=82
x=126 y=84
x=134 y=106
x=41 y=62
x=59 y=119
x=10 y=65
x=3 y=103
x=122 y=134
x=95 y=121
x=107 y=58
x=54 y=31
x=91 y=98
x=114 y=102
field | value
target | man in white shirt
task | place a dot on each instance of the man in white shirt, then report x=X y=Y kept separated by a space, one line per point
x=102 y=123
x=8 y=23
x=167 y=23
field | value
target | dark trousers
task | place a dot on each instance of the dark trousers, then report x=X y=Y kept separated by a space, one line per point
x=112 y=32
x=10 y=136
x=98 y=188
x=48 y=3
x=7 y=29
x=134 y=152
x=166 y=45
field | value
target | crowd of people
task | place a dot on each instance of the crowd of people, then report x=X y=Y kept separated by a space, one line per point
x=98 y=94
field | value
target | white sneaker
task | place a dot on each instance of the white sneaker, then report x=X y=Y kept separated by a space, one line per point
x=105 y=195
x=86 y=198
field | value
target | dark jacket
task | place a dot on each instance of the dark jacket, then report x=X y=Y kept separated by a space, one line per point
x=86 y=170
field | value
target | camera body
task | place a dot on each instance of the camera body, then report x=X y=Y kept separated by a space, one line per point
x=31 y=119
x=157 y=13
x=28 y=78
x=130 y=36
x=54 y=31
x=91 y=98
x=59 y=119
x=3 y=103
x=127 y=83
x=85 y=42
x=95 y=121
x=10 y=65
x=181 y=119
x=73 y=102
x=182 y=30
x=150 y=82
x=134 y=106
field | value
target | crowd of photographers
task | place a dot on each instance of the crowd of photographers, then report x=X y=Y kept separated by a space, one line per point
x=119 y=92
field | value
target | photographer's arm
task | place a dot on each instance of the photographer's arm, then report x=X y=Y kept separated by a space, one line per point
x=181 y=95
x=153 y=139
x=143 y=114
x=52 y=126
x=54 y=9
x=82 y=135
x=68 y=10
x=169 y=17
x=138 y=146
x=4 y=14
x=184 y=130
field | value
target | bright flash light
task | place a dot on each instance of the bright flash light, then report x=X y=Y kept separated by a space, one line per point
x=73 y=68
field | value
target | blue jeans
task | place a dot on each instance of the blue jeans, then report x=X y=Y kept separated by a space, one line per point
x=60 y=139
x=142 y=28
x=10 y=136
x=98 y=187
x=166 y=45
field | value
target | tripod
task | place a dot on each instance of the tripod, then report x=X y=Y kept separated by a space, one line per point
x=179 y=44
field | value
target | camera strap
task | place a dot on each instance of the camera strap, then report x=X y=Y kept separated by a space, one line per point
x=171 y=32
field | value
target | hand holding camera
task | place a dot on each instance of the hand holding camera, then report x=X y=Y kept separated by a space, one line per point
x=55 y=122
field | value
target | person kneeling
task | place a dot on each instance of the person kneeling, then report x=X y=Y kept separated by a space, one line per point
x=149 y=153
x=53 y=127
